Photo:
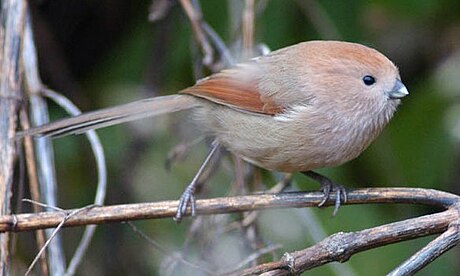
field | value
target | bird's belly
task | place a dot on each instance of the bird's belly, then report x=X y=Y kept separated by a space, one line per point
x=271 y=144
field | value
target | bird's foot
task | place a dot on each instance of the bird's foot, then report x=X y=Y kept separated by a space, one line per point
x=328 y=187
x=188 y=196
x=186 y=199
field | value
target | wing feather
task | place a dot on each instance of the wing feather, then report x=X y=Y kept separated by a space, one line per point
x=236 y=88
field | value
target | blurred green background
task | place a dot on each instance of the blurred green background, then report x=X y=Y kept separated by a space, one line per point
x=102 y=53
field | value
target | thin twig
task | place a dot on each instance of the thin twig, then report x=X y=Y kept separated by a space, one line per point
x=55 y=232
x=179 y=152
x=430 y=252
x=101 y=188
x=33 y=185
x=38 y=112
x=42 y=249
x=218 y=43
x=44 y=205
x=248 y=28
x=165 y=252
x=250 y=231
x=35 y=86
x=195 y=18
x=250 y=217
x=20 y=193
x=169 y=265
x=255 y=256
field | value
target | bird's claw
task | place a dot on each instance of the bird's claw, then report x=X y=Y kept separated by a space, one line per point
x=329 y=187
x=186 y=199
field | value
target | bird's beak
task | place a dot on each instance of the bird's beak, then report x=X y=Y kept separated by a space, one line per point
x=398 y=91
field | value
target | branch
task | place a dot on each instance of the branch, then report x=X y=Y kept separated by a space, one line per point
x=338 y=247
x=33 y=185
x=341 y=246
x=41 y=148
x=11 y=29
x=429 y=253
x=248 y=28
x=164 y=209
x=195 y=18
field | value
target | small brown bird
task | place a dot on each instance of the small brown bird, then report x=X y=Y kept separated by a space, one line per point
x=308 y=106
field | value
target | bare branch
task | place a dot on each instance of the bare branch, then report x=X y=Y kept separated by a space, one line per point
x=66 y=216
x=44 y=155
x=164 y=209
x=429 y=253
x=33 y=185
x=220 y=46
x=101 y=188
x=11 y=32
x=250 y=217
x=341 y=246
x=179 y=152
x=248 y=28
x=338 y=247
x=195 y=18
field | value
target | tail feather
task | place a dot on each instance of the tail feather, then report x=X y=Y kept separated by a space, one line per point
x=112 y=116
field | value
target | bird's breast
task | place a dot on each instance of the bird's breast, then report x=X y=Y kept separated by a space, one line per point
x=289 y=143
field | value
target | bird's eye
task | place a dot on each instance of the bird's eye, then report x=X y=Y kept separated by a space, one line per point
x=368 y=80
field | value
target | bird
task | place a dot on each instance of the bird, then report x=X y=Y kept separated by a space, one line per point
x=308 y=106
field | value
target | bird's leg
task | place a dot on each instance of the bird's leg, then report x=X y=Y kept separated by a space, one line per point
x=327 y=187
x=187 y=198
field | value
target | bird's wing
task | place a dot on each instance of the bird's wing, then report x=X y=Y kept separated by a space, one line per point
x=265 y=85
x=236 y=88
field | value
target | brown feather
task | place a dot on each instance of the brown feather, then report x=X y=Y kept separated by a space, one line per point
x=239 y=93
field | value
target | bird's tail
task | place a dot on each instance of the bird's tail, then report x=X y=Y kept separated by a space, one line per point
x=112 y=116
